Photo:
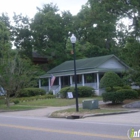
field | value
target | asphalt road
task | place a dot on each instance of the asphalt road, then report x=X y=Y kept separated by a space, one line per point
x=41 y=128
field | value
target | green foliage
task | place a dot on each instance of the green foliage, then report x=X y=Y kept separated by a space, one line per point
x=110 y=79
x=50 y=92
x=63 y=91
x=49 y=96
x=115 y=88
x=138 y=91
x=131 y=55
x=16 y=101
x=44 y=37
x=83 y=91
x=114 y=97
x=28 y=92
x=16 y=73
x=32 y=98
x=128 y=93
x=120 y=95
x=126 y=87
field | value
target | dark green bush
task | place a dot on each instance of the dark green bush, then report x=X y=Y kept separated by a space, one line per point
x=138 y=91
x=120 y=95
x=128 y=93
x=63 y=91
x=83 y=91
x=115 y=88
x=126 y=87
x=50 y=92
x=28 y=92
x=110 y=79
x=16 y=101
x=114 y=97
x=49 y=96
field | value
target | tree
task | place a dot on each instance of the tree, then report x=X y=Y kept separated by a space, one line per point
x=95 y=24
x=22 y=35
x=16 y=73
x=110 y=79
x=49 y=34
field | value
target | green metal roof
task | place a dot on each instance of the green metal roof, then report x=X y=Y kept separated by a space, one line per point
x=87 y=65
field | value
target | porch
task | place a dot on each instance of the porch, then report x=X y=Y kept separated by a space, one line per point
x=88 y=79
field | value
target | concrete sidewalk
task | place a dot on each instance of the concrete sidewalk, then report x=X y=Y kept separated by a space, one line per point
x=43 y=112
x=46 y=112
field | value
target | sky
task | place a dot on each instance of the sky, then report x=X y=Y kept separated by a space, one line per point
x=28 y=7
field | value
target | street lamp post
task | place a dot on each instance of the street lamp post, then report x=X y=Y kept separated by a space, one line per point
x=73 y=41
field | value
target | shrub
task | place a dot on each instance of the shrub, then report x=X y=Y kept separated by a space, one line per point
x=28 y=92
x=114 y=97
x=110 y=79
x=126 y=87
x=83 y=91
x=63 y=91
x=115 y=88
x=109 y=89
x=16 y=101
x=49 y=96
x=119 y=96
x=128 y=93
x=138 y=91
x=50 y=92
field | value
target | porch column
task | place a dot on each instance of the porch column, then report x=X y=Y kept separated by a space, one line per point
x=59 y=83
x=49 y=81
x=97 y=80
x=83 y=80
x=70 y=80
x=39 y=83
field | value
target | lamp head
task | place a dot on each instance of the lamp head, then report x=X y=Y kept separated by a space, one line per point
x=73 y=39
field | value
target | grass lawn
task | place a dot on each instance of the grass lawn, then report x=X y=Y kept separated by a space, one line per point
x=55 y=102
x=17 y=108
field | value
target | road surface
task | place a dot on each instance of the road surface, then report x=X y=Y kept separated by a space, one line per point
x=41 y=128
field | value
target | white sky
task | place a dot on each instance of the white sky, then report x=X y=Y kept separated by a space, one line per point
x=28 y=7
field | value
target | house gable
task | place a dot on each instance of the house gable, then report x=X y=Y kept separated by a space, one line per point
x=112 y=63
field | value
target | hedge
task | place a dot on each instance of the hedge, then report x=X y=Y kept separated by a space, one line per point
x=138 y=90
x=109 y=89
x=128 y=93
x=114 y=97
x=119 y=96
x=115 y=88
x=26 y=99
x=28 y=92
x=83 y=91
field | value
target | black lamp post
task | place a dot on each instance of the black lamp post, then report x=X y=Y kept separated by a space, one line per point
x=73 y=41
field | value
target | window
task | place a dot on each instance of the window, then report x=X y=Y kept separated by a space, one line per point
x=89 y=78
x=79 y=79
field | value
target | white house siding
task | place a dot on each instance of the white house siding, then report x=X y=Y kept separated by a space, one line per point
x=112 y=63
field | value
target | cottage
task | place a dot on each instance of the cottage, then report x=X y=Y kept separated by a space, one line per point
x=89 y=72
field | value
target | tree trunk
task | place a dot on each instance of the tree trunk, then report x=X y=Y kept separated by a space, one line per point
x=7 y=101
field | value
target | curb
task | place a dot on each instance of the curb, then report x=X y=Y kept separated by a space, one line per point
x=99 y=114
x=113 y=113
